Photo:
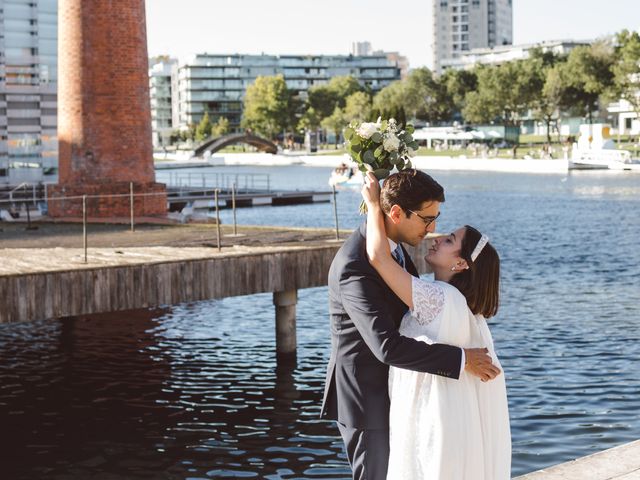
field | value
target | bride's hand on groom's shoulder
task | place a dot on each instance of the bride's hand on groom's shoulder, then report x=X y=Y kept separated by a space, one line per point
x=371 y=190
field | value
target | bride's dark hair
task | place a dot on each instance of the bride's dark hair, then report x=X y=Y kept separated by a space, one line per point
x=480 y=283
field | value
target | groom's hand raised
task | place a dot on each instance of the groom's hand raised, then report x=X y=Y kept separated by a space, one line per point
x=478 y=363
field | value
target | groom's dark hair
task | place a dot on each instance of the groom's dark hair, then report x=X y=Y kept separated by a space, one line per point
x=409 y=189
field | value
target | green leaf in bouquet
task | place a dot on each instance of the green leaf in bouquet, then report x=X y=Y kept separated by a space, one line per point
x=414 y=145
x=378 y=152
x=409 y=129
x=355 y=148
x=381 y=173
x=355 y=140
x=394 y=158
x=407 y=138
x=384 y=125
x=368 y=157
x=348 y=133
x=363 y=168
x=376 y=137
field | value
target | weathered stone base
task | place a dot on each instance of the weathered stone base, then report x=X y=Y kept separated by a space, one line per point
x=108 y=200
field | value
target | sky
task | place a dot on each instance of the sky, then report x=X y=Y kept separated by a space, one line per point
x=181 y=28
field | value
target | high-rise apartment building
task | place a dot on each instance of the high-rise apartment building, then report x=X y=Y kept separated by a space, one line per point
x=28 y=89
x=463 y=25
x=216 y=83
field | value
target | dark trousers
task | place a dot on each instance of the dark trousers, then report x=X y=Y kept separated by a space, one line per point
x=367 y=451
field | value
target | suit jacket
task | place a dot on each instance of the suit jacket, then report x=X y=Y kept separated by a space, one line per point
x=365 y=316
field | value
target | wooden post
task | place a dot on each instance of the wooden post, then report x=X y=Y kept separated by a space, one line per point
x=233 y=206
x=285 y=303
x=133 y=228
x=84 y=226
x=217 y=219
x=335 y=212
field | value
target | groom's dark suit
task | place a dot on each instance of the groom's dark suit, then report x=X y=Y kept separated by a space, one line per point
x=365 y=316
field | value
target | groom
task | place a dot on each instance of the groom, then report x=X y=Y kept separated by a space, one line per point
x=365 y=316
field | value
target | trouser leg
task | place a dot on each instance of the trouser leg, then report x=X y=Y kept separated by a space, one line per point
x=367 y=451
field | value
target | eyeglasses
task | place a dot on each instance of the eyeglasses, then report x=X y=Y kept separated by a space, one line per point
x=427 y=220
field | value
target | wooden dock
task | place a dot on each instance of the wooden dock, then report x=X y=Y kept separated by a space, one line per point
x=618 y=463
x=51 y=283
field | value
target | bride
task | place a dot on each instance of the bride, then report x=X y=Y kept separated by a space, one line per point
x=441 y=428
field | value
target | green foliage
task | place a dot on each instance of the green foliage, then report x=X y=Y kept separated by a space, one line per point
x=626 y=69
x=267 y=106
x=458 y=83
x=323 y=99
x=221 y=127
x=336 y=122
x=203 y=130
x=589 y=71
x=504 y=93
x=358 y=106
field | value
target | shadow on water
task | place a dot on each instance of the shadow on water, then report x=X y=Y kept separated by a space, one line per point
x=141 y=394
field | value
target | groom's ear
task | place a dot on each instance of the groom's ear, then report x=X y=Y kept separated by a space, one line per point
x=396 y=213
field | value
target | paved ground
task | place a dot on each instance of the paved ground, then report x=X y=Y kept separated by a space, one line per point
x=56 y=247
x=69 y=235
x=619 y=463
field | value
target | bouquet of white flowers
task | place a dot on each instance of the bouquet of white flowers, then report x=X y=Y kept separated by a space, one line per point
x=380 y=147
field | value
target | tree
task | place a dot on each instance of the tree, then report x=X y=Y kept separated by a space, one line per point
x=310 y=120
x=505 y=92
x=458 y=83
x=324 y=98
x=267 y=106
x=203 y=130
x=425 y=97
x=358 y=107
x=390 y=97
x=589 y=68
x=221 y=127
x=626 y=69
x=336 y=123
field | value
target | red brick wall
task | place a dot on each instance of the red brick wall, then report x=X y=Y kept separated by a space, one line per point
x=107 y=200
x=104 y=119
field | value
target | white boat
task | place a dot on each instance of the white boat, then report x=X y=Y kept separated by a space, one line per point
x=595 y=150
x=349 y=177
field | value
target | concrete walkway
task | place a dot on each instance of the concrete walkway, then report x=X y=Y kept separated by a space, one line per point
x=619 y=463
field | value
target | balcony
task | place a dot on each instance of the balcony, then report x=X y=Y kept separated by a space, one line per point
x=13 y=113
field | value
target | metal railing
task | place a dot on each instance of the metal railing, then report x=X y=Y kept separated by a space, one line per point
x=244 y=182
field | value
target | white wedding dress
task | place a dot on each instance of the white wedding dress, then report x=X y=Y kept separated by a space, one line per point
x=442 y=428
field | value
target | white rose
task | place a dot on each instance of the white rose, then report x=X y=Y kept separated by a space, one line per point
x=391 y=143
x=367 y=129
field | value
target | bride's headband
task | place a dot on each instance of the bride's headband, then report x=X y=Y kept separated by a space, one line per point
x=481 y=243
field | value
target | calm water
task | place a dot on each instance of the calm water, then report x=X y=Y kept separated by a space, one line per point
x=192 y=391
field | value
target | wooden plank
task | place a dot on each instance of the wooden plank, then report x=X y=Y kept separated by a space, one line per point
x=85 y=290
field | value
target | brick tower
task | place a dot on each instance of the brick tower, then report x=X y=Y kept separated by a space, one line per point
x=104 y=118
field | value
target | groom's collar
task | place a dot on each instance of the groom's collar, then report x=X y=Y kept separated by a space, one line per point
x=363 y=230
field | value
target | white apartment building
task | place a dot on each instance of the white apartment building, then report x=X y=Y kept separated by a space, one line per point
x=28 y=90
x=161 y=84
x=463 y=25
x=216 y=83
x=507 y=53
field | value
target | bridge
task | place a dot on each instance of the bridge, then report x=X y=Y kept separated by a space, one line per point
x=214 y=144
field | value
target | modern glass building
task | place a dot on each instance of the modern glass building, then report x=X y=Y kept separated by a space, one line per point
x=216 y=83
x=463 y=25
x=28 y=90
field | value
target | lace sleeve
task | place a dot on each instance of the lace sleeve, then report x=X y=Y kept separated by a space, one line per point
x=428 y=300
